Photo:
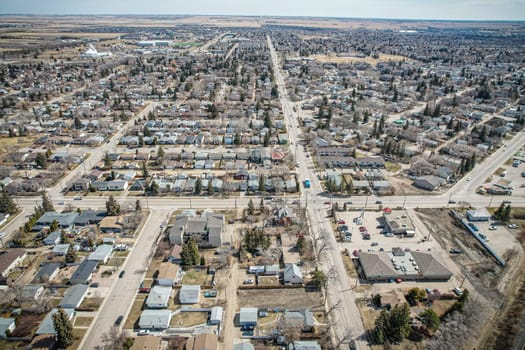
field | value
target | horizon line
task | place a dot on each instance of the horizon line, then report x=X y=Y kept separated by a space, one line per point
x=259 y=16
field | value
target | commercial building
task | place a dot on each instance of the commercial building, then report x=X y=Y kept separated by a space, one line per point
x=398 y=222
x=478 y=215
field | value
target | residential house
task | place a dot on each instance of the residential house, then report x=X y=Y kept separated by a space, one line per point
x=32 y=292
x=167 y=274
x=46 y=273
x=148 y=342
x=65 y=220
x=248 y=316
x=207 y=231
x=84 y=272
x=203 y=341
x=111 y=224
x=370 y=162
x=174 y=256
x=303 y=319
x=74 y=296
x=89 y=217
x=10 y=260
x=158 y=297
x=47 y=327
x=7 y=326
x=428 y=182
x=189 y=294
x=292 y=274
x=101 y=254
x=60 y=249
x=155 y=319
x=53 y=238
x=304 y=345
x=81 y=185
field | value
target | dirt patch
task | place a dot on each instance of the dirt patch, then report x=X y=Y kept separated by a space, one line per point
x=479 y=267
x=293 y=298
x=351 y=59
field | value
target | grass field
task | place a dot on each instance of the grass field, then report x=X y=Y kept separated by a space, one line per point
x=134 y=314
x=78 y=334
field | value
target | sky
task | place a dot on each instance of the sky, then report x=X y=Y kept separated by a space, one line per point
x=405 y=9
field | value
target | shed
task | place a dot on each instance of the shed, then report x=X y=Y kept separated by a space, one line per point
x=155 y=319
x=74 y=296
x=248 y=316
x=216 y=315
x=304 y=345
x=189 y=294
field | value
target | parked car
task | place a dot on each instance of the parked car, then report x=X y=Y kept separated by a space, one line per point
x=374 y=244
x=118 y=321
x=512 y=226
x=248 y=281
x=458 y=291
x=143 y=332
x=94 y=285
x=379 y=202
x=78 y=198
x=121 y=274
x=455 y=251
x=492 y=227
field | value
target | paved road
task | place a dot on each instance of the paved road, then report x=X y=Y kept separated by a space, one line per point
x=124 y=289
x=346 y=319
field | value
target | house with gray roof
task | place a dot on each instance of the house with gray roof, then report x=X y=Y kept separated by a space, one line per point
x=248 y=316
x=304 y=345
x=155 y=319
x=53 y=238
x=84 y=272
x=293 y=274
x=303 y=319
x=47 y=327
x=189 y=294
x=207 y=231
x=47 y=272
x=32 y=292
x=74 y=296
x=65 y=220
x=158 y=297
x=429 y=182
x=89 y=217
x=6 y=325
x=60 y=249
x=102 y=253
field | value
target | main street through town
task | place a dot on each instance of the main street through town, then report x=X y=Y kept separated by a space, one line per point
x=345 y=318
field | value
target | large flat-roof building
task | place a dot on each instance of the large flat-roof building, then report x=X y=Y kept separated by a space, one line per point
x=384 y=266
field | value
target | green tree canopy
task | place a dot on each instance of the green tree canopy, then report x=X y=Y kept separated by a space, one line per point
x=112 y=206
x=63 y=328
x=430 y=319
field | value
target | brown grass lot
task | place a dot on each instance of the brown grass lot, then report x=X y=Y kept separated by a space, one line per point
x=92 y=303
x=289 y=298
x=81 y=321
x=134 y=314
x=195 y=277
x=26 y=324
x=188 y=319
x=8 y=144
x=348 y=59
x=78 y=335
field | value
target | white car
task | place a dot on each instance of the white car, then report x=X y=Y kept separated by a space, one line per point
x=2 y=234
x=512 y=226
x=492 y=228
x=248 y=281
x=143 y=332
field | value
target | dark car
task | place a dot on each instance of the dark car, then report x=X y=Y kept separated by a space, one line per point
x=121 y=274
x=379 y=202
x=118 y=321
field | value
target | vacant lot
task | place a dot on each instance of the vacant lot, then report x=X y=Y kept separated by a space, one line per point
x=289 y=298
x=188 y=319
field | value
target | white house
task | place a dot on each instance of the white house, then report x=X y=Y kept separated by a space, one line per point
x=158 y=297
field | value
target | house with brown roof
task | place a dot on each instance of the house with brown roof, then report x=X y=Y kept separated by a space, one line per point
x=148 y=342
x=206 y=341
x=167 y=274
x=10 y=259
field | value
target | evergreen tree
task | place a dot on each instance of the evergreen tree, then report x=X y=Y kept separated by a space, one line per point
x=145 y=171
x=7 y=205
x=41 y=160
x=430 y=319
x=198 y=186
x=47 y=205
x=112 y=206
x=251 y=208
x=63 y=328
x=54 y=226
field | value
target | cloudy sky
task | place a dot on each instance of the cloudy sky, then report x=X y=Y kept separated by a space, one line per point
x=409 y=9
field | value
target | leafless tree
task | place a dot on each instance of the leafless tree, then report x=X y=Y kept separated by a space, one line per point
x=114 y=339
